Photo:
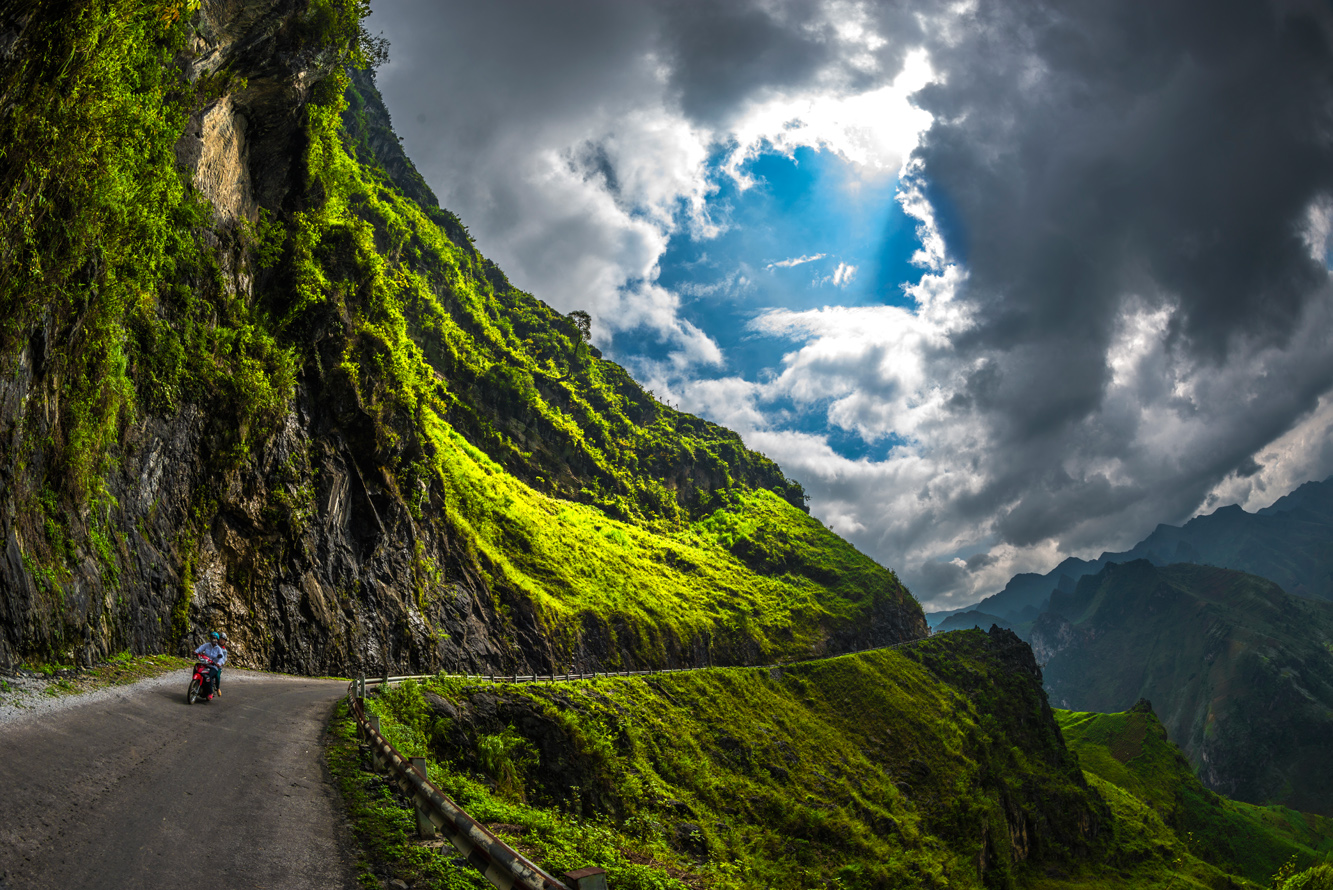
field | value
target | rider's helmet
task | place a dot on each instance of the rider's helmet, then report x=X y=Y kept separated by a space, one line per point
x=214 y=636
x=223 y=634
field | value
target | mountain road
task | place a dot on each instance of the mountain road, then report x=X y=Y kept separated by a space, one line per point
x=137 y=789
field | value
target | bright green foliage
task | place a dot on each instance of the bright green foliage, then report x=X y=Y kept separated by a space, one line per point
x=885 y=769
x=444 y=329
x=382 y=825
x=571 y=485
x=506 y=756
x=576 y=564
x=102 y=277
x=93 y=216
x=581 y=500
x=1317 y=878
x=1130 y=751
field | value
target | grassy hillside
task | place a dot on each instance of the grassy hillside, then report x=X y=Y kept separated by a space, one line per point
x=932 y=766
x=597 y=504
x=382 y=452
x=874 y=770
x=1240 y=673
x=1131 y=751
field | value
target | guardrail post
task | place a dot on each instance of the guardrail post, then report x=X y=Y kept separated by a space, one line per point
x=374 y=721
x=425 y=827
x=587 y=879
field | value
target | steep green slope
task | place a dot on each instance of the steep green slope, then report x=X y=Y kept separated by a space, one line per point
x=259 y=381
x=1240 y=673
x=930 y=766
x=1131 y=750
x=933 y=766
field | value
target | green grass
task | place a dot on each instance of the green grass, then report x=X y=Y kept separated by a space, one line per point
x=576 y=565
x=580 y=501
x=1130 y=751
x=383 y=827
x=1317 y=878
x=902 y=768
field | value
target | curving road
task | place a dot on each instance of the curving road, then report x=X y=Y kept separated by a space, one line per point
x=139 y=790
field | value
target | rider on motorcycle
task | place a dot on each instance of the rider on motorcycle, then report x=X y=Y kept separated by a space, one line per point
x=214 y=650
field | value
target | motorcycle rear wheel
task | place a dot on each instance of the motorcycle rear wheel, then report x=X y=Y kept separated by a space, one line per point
x=193 y=695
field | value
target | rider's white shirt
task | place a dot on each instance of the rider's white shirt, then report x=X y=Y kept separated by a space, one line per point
x=213 y=651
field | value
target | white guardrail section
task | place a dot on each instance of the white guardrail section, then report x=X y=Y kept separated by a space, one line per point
x=503 y=866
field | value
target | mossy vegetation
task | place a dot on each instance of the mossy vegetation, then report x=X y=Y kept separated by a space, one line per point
x=1130 y=751
x=932 y=766
x=1318 y=878
x=580 y=500
x=574 y=488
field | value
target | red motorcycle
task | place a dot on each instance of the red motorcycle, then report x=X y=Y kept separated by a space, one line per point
x=201 y=684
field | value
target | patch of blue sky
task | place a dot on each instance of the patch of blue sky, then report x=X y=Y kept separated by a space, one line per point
x=849 y=444
x=784 y=241
x=787 y=235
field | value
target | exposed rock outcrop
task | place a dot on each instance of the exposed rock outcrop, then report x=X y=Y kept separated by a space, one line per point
x=289 y=498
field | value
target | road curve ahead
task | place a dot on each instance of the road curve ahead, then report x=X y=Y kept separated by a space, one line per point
x=141 y=790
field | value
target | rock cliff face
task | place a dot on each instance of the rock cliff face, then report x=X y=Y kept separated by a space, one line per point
x=308 y=529
x=302 y=549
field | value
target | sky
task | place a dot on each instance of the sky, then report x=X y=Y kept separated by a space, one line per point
x=997 y=283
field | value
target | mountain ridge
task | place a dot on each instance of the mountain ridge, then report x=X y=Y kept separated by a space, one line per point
x=260 y=382
x=1228 y=537
x=1240 y=673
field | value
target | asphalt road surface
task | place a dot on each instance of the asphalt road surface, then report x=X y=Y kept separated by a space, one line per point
x=141 y=790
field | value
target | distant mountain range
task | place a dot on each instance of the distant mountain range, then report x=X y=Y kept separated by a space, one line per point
x=1224 y=623
x=1290 y=543
x=1239 y=672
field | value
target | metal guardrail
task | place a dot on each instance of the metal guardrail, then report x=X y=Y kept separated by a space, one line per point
x=503 y=866
x=597 y=675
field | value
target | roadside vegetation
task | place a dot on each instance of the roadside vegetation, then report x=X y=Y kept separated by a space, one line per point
x=920 y=767
x=33 y=681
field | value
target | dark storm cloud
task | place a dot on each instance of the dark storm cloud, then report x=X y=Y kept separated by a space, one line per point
x=724 y=55
x=1091 y=158
x=1094 y=148
x=1139 y=197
